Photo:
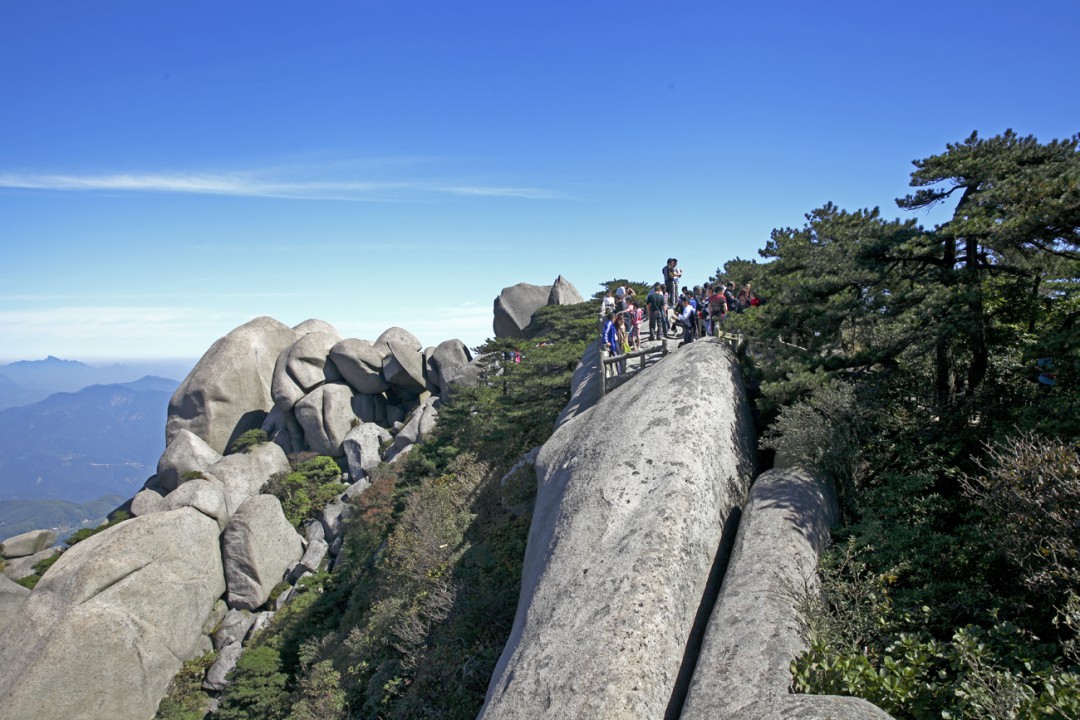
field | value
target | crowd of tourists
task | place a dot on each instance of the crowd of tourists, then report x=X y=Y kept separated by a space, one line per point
x=671 y=312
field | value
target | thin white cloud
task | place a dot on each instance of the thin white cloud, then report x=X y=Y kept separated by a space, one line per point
x=253 y=184
x=104 y=321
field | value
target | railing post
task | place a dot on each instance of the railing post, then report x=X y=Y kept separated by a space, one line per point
x=603 y=372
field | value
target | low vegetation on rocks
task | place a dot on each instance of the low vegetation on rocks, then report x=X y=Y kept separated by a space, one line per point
x=937 y=381
x=304 y=492
x=422 y=597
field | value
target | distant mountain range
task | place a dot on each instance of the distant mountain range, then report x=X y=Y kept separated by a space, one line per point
x=28 y=381
x=77 y=447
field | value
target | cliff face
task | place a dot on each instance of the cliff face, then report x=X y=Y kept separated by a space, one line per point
x=634 y=499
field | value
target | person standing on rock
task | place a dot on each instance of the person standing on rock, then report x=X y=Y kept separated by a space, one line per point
x=671 y=280
x=608 y=303
x=611 y=335
x=688 y=320
x=656 y=304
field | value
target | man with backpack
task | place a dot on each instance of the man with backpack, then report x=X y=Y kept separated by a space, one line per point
x=656 y=305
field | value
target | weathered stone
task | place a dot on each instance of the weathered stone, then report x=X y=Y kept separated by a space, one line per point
x=564 y=293
x=419 y=426
x=333 y=518
x=281 y=427
x=111 y=622
x=403 y=368
x=258 y=545
x=262 y=621
x=216 y=676
x=302 y=368
x=186 y=453
x=397 y=335
x=206 y=496
x=22 y=567
x=146 y=501
x=370 y=408
x=243 y=475
x=753 y=635
x=12 y=596
x=515 y=306
x=27 y=543
x=584 y=385
x=234 y=628
x=313 y=530
x=313 y=325
x=361 y=365
x=327 y=415
x=228 y=391
x=309 y=563
x=217 y=614
x=363 y=446
x=449 y=360
x=625 y=533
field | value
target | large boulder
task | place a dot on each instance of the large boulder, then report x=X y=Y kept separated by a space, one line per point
x=635 y=505
x=12 y=595
x=363 y=449
x=449 y=360
x=515 y=306
x=28 y=543
x=564 y=293
x=753 y=635
x=22 y=567
x=419 y=426
x=208 y=496
x=257 y=547
x=584 y=384
x=112 y=621
x=281 y=428
x=327 y=414
x=314 y=325
x=403 y=368
x=186 y=453
x=243 y=475
x=228 y=391
x=303 y=367
x=360 y=364
x=397 y=335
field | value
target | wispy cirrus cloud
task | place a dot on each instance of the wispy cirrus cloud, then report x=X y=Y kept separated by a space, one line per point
x=257 y=184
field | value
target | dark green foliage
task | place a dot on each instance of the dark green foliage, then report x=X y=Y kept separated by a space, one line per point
x=257 y=689
x=248 y=440
x=31 y=581
x=306 y=490
x=422 y=599
x=955 y=590
x=115 y=519
x=185 y=698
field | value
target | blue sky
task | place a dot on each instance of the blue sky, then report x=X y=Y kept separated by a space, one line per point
x=170 y=170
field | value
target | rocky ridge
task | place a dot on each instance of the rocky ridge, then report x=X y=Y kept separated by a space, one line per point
x=620 y=615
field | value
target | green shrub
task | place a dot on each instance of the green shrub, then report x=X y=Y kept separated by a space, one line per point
x=863 y=644
x=185 y=698
x=80 y=535
x=248 y=440
x=256 y=688
x=307 y=489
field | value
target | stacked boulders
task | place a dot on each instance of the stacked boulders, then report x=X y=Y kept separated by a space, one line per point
x=207 y=557
x=22 y=552
x=516 y=305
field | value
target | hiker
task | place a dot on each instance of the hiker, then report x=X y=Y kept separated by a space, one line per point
x=730 y=299
x=656 y=303
x=671 y=280
x=718 y=308
x=608 y=303
x=610 y=335
x=622 y=341
x=634 y=313
x=688 y=320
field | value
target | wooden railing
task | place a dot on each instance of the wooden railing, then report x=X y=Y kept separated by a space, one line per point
x=764 y=349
